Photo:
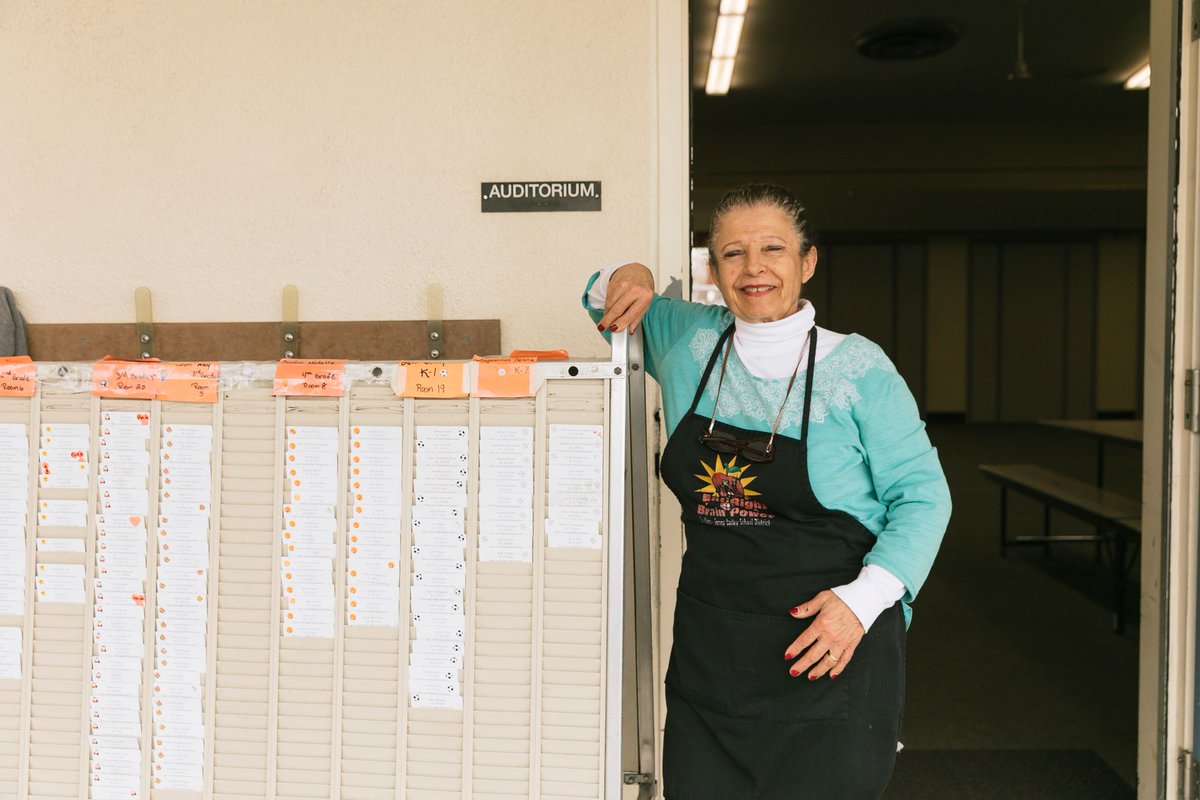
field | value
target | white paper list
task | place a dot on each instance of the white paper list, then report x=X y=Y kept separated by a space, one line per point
x=14 y=516
x=576 y=492
x=309 y=531
x=439 y=566
x=375 y=485
x=119 y=603
x=506 y=494
x=181 y=606
x=63 y=463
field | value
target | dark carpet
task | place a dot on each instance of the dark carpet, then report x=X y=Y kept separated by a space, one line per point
x=1009 y=774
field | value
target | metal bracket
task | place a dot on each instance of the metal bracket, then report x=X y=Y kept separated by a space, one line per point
x=144 y=315
x=1189 y=776
x=637 y=520
x=291 y=322
x=433 y=320
x=1191 y=419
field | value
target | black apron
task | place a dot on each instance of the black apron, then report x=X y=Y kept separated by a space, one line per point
x=759 y=543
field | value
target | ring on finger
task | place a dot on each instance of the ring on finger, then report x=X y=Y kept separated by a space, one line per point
x=832 y=657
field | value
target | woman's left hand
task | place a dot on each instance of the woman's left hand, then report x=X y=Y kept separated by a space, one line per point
x=829 y=642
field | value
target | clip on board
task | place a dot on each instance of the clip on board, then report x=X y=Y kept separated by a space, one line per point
x=362 y=596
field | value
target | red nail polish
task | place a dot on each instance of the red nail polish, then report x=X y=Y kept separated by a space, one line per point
x=600 y=327
x=812 y=677
x=787 y=656
x=832 y=677
x=612 y=327
x=794 y=672
x=795 y=611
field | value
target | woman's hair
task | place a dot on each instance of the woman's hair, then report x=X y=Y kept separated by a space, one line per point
x=751 y=195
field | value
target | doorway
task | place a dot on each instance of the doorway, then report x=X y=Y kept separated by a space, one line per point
x=977 y=175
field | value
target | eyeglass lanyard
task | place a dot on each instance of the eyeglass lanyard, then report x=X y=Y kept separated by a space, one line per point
x=791 y=383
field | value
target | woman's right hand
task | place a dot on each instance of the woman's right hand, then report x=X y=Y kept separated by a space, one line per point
x=630 y=290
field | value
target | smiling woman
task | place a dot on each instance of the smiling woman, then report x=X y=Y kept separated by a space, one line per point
x=808 y=515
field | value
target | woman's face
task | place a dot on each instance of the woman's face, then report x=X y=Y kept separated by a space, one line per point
x=759 y=268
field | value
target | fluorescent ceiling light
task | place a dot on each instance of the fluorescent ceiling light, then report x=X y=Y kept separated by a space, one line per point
x=729 y=34
x=720 y=74
x=1139 y=79
x=734 y=6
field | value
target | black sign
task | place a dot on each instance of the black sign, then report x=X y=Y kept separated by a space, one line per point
x=541 y=196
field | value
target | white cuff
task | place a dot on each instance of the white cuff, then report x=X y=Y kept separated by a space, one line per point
x=874 y=591
x=599 y=291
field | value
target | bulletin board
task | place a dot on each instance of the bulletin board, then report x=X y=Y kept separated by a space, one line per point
x=360 y=595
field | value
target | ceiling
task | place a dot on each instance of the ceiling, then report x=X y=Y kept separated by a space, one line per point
x=798 y=62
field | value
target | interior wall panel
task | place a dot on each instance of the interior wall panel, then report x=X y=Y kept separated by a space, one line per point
x=984 y=288
x=1032 y=331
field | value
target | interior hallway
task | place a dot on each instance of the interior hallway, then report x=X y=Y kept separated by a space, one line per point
x=1014 y=660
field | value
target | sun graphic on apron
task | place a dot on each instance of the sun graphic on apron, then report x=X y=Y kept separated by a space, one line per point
x=727 y=480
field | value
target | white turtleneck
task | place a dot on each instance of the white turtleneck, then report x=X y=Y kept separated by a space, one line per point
x=772 y=350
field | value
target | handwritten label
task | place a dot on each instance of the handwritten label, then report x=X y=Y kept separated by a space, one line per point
x=189 y=382
x=18 y=377
x=139 y=380
x=504 y=377
x=311 y=377
x=438 y=379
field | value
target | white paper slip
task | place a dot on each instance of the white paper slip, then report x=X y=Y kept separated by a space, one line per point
x=436 y=660
x=440 y=577
x=195 y=443
x=312 y=451
x=499 y=462
x=431 y=607
x=374 y=619
x=446 y=646
x=575 y=513
x=15 y=509
x=446 y=702
x=426 y=512
x=180 y=456
x=506 y=433
x=306 y=433
x=65 y=428
x=15 y=470
x=12 y=598
x=588 y=541
x=519 y=540
x=501 y=504
x=593 y=485
x=65 y=479
x=430 y=485
x=516 y=555
x=122 y=572
x=505 y=515
x=593 y=500
x=60 y=545
x=424 y=537
x=442 y=473
x=452 y=499
x=126 y=419
x=441 y=446
x=437 y=458
x=449 y=624
x=435 y=529
x=117 y=441
x=64 y=507
x=572 y=432
x=376 y=433
x=382 y=551
x=425 y=554
x=13 y=430
x=195 y=470
x=308 y=511
x=382 y=525
x=16 y=490
x=441 y=432
x=575 y=473
x=428 y=687
x=319 y=629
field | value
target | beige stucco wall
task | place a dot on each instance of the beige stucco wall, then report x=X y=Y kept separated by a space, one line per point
x=215 y=150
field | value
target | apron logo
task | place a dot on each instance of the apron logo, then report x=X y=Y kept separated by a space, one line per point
x=725 y=496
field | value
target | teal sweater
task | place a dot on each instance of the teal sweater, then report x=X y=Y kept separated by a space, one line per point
x=868 y=451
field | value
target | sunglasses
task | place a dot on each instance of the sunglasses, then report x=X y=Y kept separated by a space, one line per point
x=759 y=451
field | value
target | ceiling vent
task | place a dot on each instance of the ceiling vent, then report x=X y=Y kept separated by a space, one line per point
x=907 y=39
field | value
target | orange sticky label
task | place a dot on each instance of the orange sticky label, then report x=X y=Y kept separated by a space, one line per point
x=311 y=377
x=190 y=382
x=18 y=376
x=504 y=377
x=438 y=379
x=139 y=380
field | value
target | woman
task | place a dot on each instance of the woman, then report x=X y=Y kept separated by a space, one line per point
x=812 y=503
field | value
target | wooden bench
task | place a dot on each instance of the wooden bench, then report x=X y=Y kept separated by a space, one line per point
x=1116 y=518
